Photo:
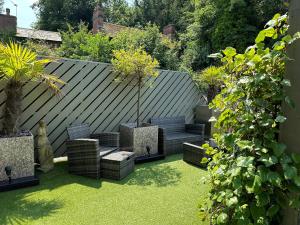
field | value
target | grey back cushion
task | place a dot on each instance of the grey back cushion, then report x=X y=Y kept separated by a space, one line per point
x=171 y=124
x=79 y=131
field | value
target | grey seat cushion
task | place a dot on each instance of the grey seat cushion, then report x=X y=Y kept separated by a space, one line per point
x=182 y=136
x=104 y=151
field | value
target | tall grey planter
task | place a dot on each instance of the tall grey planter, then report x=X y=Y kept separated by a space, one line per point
x=17 y=153
x=138 y=139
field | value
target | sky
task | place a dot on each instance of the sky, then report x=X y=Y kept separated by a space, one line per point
x=26 y=16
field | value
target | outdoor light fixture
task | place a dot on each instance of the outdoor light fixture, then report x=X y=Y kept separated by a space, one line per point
x=148 y=150
x=8 y=170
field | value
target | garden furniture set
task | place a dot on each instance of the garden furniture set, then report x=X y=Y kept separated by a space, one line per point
x=100 y=155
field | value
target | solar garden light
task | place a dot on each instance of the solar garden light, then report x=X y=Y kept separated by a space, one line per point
x=8 y=170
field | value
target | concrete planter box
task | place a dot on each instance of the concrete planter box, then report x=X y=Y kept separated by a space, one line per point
x=136 y=139
x=18 y=153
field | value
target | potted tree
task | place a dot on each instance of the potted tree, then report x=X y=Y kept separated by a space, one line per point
x=137 y=66
x=19 y=65
x=211 y=80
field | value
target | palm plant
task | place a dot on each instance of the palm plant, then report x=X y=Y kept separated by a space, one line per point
x=19 y=65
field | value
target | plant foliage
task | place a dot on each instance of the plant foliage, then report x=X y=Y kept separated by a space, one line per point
x=135 y=66
x=19 y=65
x=82 y=44
x=253 y=177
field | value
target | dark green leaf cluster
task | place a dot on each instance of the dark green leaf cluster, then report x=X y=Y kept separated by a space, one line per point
x=54 y=15
x=82 y=44
x=253 y=177
x=219 y=23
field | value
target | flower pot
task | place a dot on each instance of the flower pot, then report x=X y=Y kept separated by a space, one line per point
x=143 y=141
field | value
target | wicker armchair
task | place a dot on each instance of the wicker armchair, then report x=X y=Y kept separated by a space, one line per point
x=173 y=132
x=85 y=150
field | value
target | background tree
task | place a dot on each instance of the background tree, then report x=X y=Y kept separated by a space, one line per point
x=220 y=23
x=1 y=5
x=163 y=12
x=82 y=44
x=18 y=65
x=55 y=14
x=118 y=12
x=135 y=66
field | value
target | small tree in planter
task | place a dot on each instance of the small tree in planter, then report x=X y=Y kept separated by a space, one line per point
x=137 y=66
x=19 y=65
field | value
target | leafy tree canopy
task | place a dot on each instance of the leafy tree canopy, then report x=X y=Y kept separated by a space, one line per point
x=1 y=5
x=220 y=23
x=55 y=14
x=82 y=44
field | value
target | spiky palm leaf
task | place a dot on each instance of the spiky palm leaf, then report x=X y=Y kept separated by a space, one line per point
x=18 y=65
x=21 y=64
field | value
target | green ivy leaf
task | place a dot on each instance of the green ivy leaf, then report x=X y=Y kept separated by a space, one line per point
x=286 y=83
x=290 y=102
x=204 y=160
x=296 y=158
x=260 y=37
x=257 y=183
x=232 y=201
x=273 y=210
x=229 y=51
x=280 y=119
x=297 y=181
x=278 y=148
x=216 y=55
x=245 y=161
x=268 y=160
x=222 y=218
x=274 y=178
x=290 y=172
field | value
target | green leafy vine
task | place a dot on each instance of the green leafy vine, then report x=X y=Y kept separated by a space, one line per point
x=253 y=177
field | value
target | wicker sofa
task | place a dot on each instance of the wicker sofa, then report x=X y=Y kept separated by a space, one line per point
x=85 y=150
x=173 y=132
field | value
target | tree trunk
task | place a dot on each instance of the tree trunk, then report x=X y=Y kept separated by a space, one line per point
x=138 y=103
x=13 y=107
x=211 y=93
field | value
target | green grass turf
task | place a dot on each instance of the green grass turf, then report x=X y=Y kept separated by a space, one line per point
x=159 y=193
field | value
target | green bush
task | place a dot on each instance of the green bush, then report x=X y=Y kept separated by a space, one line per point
x=82 y=44
x=253 y=177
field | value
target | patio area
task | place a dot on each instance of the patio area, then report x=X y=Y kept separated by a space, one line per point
x=162 y=192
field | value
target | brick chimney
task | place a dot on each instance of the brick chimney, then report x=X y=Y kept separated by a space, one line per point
x=170 y=31
x=98 y=19
x=8 y=23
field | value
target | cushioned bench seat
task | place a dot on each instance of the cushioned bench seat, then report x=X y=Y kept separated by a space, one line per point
x=173 y=132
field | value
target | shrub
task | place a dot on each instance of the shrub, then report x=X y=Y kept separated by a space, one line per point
x=253 y=177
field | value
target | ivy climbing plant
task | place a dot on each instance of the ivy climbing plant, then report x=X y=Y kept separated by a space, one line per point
x=253 y=177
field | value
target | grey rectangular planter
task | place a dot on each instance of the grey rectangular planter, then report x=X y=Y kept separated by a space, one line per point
x=18 y=153
x=138 y=139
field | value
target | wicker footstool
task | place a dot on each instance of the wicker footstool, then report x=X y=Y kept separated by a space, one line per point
x=193 y=154
x=117 y=165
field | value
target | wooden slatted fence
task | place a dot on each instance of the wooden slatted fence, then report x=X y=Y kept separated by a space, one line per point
x=92 y=96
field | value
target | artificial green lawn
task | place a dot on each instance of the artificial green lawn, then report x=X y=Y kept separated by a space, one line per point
x=159 y=193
